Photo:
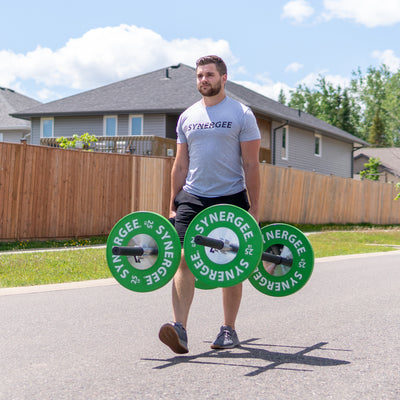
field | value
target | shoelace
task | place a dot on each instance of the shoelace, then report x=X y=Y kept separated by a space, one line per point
x=226 y=333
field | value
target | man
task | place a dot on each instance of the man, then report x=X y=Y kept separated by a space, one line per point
x=216 y=162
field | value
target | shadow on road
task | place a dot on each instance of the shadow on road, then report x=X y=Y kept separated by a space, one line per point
x=250 y=350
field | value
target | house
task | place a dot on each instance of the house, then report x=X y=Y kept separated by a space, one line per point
x=389 y=169
x=14 y=129
x=149 y=105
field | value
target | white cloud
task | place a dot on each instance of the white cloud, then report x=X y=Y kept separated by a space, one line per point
x=45 y=94
x=297 y=10
x=294 y=67
x=102 y=56
x=388 y=58
x=266 y=87
x=371 y=13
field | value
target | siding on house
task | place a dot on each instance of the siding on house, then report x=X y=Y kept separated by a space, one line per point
x=11 y=136
x=153 y=124
x=35 y=131
x=335 y=155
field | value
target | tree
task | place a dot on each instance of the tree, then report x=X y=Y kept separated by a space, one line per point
x=391 y=106
x=369 y=108
x=371 y=169
x=398 y=194
x=377 y=131
x=282 y=97
x=378 y=93
x=331 y=104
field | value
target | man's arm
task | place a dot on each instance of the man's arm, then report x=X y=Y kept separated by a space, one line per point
x=251 y=166
x=178 y=174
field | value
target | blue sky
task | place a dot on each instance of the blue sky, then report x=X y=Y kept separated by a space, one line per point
x=50 y=50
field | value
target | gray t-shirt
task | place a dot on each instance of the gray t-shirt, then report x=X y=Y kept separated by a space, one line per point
x=213 y=135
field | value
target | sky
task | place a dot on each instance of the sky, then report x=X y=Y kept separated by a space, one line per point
x=50 y=50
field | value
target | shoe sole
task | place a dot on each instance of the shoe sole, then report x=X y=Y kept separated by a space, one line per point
x=169 y=336
x=217 y=347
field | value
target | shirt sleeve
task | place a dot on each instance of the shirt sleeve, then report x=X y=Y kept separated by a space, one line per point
x=250 y=129
x=181 y=137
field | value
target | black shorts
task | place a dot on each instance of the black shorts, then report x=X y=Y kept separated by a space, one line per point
x=188 y=206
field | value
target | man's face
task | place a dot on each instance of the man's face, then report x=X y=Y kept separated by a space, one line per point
x=209 y=81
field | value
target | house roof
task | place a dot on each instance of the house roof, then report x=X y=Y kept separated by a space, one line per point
x=389 y=157
x=11 y=102
x=171 y=90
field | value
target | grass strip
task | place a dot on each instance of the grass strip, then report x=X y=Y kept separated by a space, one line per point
x=343 y=243
x=28 y=269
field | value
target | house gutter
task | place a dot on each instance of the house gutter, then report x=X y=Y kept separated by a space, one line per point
x=274 y=140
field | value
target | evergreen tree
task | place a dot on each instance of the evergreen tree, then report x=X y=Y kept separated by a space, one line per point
x=377 y=131
x=282 y=97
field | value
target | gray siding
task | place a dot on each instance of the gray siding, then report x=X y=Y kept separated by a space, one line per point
x=123 y=125
x=154 y=124
x=336 y=156
x=12 y=137
x=67 y=126
x=35 y=130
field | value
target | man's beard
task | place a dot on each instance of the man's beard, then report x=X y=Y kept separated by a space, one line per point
x=210 y=91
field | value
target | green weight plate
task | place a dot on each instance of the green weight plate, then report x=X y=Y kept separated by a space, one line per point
x=149 y=272
x=234 y=226
x=199 y=284
x=280 y=280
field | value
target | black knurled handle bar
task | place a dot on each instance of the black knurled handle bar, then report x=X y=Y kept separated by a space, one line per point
x=221 y=245
x=135 y=251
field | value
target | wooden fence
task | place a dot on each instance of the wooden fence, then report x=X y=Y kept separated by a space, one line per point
x=54 y=193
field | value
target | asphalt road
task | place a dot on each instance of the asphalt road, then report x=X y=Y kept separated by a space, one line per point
x=337 y=338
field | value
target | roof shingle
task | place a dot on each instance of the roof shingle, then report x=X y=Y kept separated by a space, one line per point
x=11 y=102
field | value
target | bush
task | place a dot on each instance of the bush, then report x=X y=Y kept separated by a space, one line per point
x=371 y=169
x=84 y=141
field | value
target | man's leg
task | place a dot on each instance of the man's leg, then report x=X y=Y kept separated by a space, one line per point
x=182 y=292
x=231 y=298
x=174 y=335
x=227 y=337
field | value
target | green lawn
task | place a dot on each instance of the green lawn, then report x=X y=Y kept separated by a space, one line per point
x=341 y=243
x=26 y=269
x=52 y=267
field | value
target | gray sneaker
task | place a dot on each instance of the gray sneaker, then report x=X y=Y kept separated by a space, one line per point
x=174 y=336
x=226 y=339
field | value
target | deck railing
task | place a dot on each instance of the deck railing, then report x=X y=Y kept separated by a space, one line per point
x=137 y=145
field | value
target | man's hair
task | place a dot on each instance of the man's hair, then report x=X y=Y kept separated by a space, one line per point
x=218 y=61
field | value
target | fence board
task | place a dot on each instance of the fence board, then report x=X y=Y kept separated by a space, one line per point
x=54 y=193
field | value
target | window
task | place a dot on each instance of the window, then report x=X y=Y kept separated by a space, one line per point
x=136 y=125
x=46 y=127
x=285 y=143
x=110 y=125
x=317 y=145
x=1 y=137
